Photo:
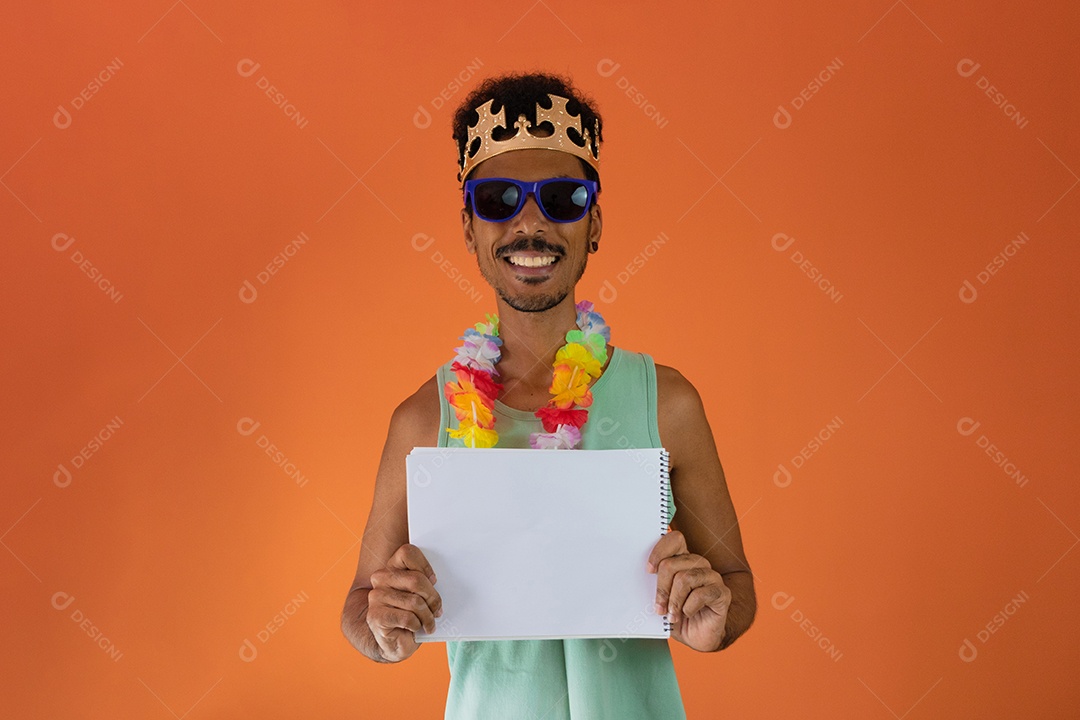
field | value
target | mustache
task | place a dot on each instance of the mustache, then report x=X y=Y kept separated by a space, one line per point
x=535 y=244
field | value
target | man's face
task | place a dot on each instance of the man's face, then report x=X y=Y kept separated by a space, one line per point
x=531 y=234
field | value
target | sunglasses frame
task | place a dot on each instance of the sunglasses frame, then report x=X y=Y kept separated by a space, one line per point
x=526 y=188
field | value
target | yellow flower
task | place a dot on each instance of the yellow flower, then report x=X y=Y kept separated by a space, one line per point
x=470 y=406
x=570 y=385
x=474 y=436
x=578 y=355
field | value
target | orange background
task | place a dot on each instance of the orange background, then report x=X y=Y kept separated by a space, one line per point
x=179 y=180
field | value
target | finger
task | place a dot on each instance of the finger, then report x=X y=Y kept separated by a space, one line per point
x=410 y=602
x=687 y=581
x=665 y=575
x=412 y=581
x=671 y=543
x=715 y=596
x=396 y=643
x=410 y=557
x=385 y=619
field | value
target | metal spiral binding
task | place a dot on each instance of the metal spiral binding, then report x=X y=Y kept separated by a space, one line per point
x=665 y=486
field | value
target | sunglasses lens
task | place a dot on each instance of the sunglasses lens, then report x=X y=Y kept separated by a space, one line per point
x=496 y=200
x=565 y=200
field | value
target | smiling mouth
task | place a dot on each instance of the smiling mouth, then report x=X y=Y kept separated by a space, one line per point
x=531 y=260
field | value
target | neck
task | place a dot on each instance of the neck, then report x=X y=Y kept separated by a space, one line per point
x=531 y=339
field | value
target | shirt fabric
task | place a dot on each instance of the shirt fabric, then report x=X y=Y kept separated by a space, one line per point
x=578 y=678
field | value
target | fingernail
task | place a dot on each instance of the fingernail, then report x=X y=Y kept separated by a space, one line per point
x=438 y=613
x=658 y=608
x=649 y=566
x=432 y=578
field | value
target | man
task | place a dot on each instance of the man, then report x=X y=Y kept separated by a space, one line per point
x=532 y=244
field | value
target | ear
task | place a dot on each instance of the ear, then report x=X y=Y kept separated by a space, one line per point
x=466 y=228
x=596 y=227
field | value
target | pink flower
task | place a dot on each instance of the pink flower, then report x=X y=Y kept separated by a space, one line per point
x=566 y=437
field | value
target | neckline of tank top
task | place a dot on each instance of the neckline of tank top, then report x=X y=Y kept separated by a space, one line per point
x=515 y=414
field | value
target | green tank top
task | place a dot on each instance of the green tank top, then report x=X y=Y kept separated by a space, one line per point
x=572 y=679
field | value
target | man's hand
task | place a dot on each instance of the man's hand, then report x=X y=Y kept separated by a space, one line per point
x=689 y=589
x=402 y=601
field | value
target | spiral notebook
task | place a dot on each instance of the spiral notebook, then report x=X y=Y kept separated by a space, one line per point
x=540 y=544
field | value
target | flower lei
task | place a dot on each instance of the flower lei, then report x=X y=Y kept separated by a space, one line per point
x=576 y=363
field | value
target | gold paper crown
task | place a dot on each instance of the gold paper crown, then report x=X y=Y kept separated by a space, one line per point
x=523 y=136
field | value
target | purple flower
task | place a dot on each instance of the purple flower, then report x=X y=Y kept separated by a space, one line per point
x=479 y=351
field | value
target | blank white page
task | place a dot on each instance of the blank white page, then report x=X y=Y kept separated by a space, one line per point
x=530 y=544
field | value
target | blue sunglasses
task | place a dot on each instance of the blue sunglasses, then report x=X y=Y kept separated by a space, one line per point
x=562 y=200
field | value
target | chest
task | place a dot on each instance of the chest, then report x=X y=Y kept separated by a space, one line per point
x=520 y=396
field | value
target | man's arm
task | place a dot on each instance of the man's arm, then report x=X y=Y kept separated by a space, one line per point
x=414 y=423
x=704 y=514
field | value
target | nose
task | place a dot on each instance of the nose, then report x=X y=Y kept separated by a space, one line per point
x=531 y=218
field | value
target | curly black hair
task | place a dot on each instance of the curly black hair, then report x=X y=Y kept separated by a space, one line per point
x=520 y=92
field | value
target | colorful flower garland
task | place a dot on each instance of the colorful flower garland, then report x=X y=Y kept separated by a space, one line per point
x=576 y=363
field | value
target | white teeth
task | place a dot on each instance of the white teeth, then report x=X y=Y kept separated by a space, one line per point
x=529 y=261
